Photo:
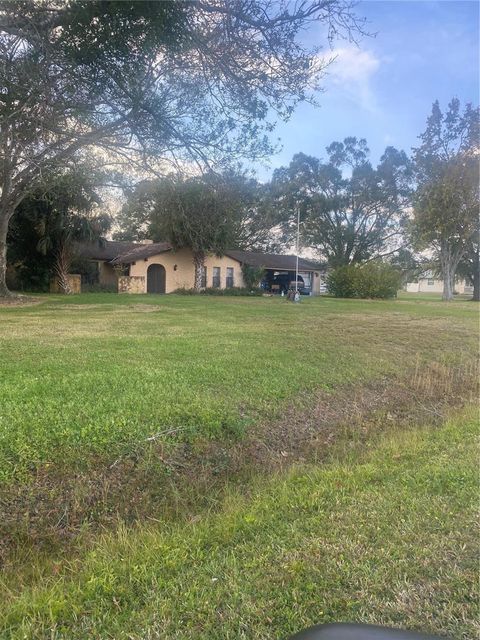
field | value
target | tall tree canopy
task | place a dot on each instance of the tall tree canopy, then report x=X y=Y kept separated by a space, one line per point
x=254 y=216
x=351 y=211
x=162 y=80
x=446 y=202
x=207 y=214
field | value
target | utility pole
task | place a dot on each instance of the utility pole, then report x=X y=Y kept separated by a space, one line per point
x=298 y=248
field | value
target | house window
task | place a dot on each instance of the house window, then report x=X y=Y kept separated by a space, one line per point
x=204 y=277
x=229 y=280
x=430 y=283
x=216 y=277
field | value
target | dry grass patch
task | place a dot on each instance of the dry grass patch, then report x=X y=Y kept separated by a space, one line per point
x=19 y=301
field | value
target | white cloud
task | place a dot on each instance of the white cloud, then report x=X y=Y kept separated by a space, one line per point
x=352 y=72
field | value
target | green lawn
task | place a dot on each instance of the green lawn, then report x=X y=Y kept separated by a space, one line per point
x=388 y=539
x=93 y=375
x=365 y=515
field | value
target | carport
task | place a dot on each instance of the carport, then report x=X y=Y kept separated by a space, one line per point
x=280 y=271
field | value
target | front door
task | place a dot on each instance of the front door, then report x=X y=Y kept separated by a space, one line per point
x=156 y=278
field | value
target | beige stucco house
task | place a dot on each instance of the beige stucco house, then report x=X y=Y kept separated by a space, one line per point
x=428 y=282
x=148 y=267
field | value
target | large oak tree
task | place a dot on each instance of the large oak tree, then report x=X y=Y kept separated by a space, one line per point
x=351 y=211
x=154 y=81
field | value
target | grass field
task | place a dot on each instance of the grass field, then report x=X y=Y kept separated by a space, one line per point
x=107 y=399
x=389 y=539
x=96 y=374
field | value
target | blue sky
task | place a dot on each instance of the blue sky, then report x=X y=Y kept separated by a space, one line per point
x=383 y=89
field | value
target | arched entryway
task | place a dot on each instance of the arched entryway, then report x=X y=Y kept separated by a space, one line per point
x=156 y=278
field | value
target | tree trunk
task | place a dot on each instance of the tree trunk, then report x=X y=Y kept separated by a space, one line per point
x=62 y=267
x=449 y=259
x=447 y=294
x=453 y=281
x=476 y=282
x=474 y=258
x=199 y=263
x=447 y=280
x=4 y=292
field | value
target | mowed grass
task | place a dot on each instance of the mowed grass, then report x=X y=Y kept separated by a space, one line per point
x=382 y=531
x=388 y=537
x=86 y=378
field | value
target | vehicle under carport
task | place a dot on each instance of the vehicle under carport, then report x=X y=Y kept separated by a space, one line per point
x=280 y=271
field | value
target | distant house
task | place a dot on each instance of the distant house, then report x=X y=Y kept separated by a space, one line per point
x=428 y=282
x=155 y=267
